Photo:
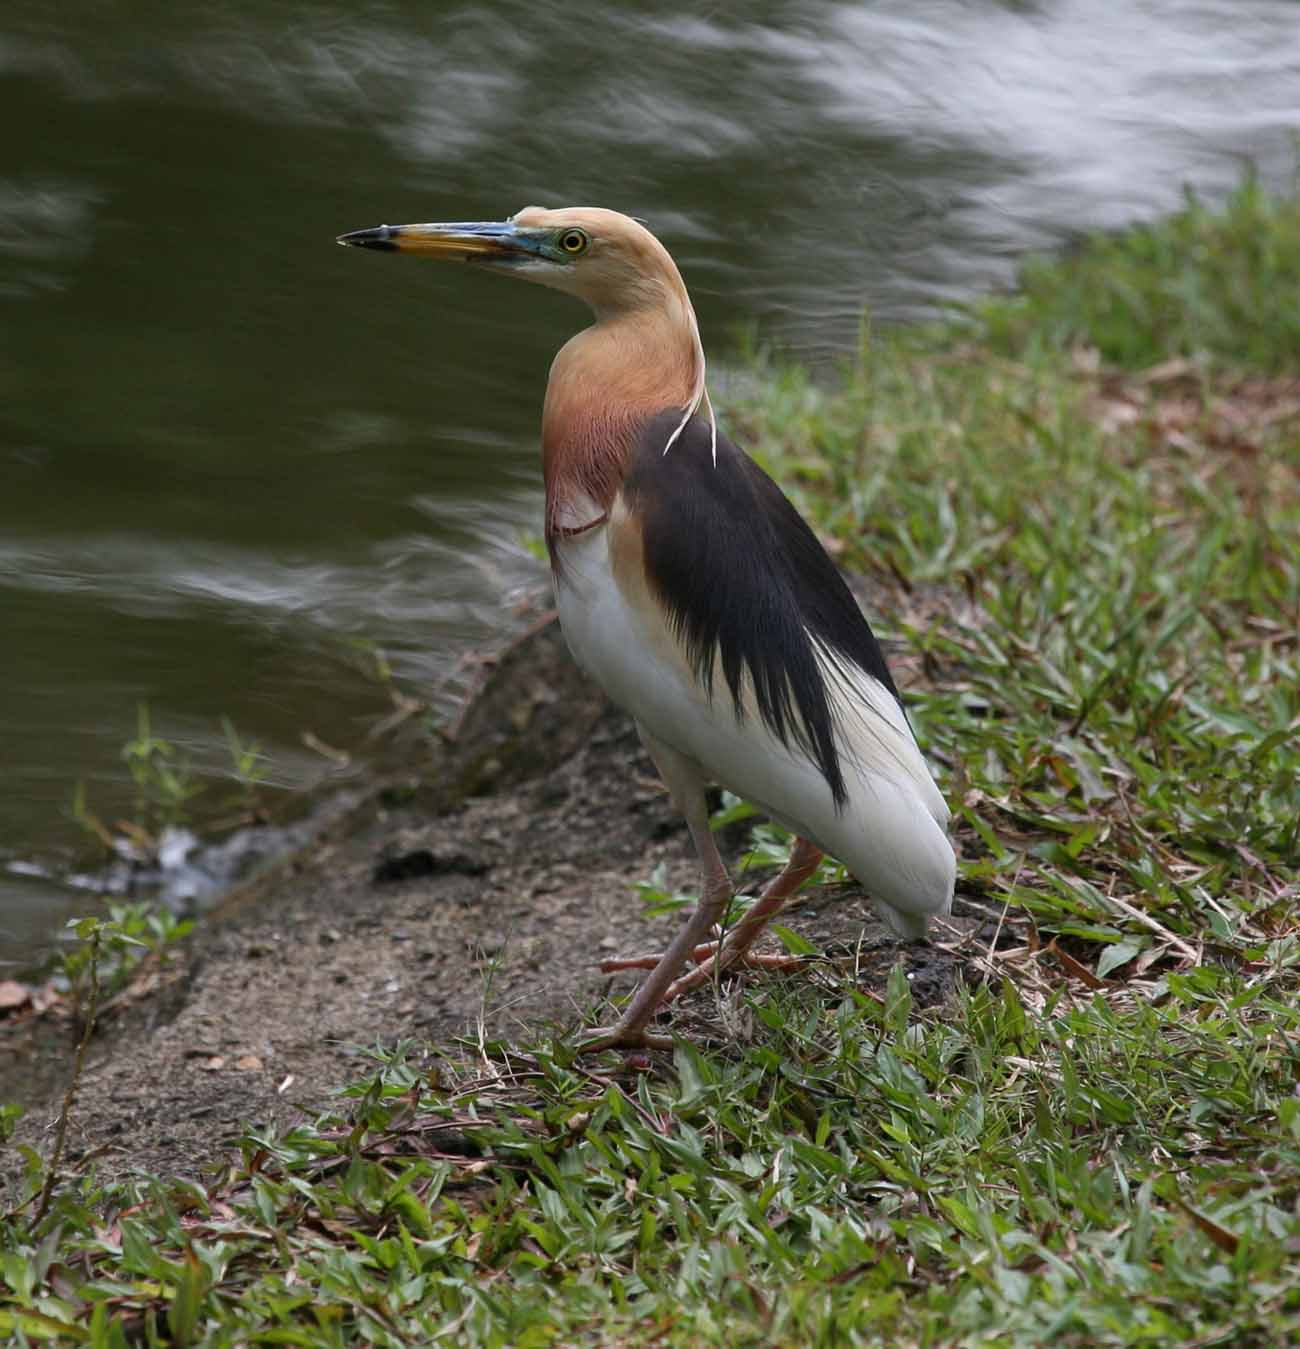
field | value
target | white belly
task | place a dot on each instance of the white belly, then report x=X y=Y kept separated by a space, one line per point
x=890 y=833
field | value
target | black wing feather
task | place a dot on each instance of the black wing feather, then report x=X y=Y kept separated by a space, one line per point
x=745 y=581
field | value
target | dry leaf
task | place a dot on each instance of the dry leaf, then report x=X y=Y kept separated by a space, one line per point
x=13 y=994
x=249 y=1063
x=1073 y=967
x=1222 y=1238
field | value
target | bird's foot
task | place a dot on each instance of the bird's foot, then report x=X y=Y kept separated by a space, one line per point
x=622 y=1037
x=753 y=960
x=744 y=959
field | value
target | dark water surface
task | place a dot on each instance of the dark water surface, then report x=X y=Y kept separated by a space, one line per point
x=228 y=448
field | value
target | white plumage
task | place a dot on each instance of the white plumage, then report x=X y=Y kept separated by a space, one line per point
x=891 y=832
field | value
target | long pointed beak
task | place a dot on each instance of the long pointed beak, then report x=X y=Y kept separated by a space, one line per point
x=486 y=241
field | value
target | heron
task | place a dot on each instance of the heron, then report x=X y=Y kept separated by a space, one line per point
x=691 y=589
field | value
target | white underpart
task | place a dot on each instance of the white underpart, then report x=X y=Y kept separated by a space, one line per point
x=890 y=833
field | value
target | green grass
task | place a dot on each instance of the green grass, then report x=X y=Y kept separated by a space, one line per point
x=1095 y=568
x=1219 y=285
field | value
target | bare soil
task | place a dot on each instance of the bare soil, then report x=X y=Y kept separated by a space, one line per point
x=474 y=894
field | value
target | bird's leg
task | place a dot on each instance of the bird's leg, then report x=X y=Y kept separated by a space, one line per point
x=686 y=786
x=804 y=860
x=630 y=1030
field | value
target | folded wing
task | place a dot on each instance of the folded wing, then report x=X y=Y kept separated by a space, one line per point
x=710 y=611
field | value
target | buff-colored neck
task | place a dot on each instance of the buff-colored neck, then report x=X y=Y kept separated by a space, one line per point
x=606 y=383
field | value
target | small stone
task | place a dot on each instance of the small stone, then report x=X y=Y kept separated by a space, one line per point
x=425 y=862
x=405 y=866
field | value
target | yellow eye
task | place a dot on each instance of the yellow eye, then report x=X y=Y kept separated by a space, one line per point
x=574 y=242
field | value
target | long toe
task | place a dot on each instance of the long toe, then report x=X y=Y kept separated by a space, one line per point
x=616 y=963
x=622 y=1037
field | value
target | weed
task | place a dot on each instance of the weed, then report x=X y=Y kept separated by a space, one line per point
x=250 y=769
x=95 y=937
x=131 y=931
x=164 y=781
x=165 y=785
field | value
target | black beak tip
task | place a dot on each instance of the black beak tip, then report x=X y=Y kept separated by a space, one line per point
x=380 y=237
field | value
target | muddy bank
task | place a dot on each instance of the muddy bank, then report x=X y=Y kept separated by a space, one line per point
x=477 y=889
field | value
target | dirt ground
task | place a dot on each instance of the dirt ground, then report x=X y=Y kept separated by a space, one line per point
x=479 y=888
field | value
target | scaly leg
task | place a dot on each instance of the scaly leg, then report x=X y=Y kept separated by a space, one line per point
x=804 y=860
x=685 y=784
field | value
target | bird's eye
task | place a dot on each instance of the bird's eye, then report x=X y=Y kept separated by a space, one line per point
x=574 y=242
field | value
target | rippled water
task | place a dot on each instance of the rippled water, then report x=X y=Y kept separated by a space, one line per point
x=227 y=447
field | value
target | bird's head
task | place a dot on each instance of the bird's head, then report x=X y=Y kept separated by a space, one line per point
x=607 y=259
